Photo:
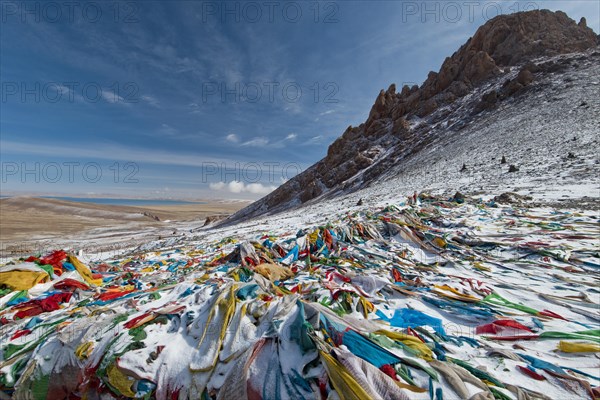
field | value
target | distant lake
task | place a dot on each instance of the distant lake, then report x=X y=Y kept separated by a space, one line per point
x=125 y=202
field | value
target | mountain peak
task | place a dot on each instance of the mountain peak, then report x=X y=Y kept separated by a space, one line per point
x=511 y=39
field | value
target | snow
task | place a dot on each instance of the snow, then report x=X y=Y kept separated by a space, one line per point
x=509 y=270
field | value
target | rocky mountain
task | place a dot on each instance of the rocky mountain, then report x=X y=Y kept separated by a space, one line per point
x=510 y=60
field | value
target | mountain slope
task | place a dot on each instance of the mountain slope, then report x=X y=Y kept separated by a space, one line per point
x=512 y=61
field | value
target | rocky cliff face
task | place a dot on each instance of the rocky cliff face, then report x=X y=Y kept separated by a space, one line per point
x=502 y=49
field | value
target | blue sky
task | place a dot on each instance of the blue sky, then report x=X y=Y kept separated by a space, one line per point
x=192 y=99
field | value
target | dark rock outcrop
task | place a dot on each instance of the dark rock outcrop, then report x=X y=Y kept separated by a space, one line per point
x=512 y=198
x=211 y=219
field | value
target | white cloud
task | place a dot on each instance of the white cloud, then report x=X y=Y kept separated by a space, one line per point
x=241 y=187
x=151 y=100
x=236 y=187
x=327 y=112
x=112 y=97
x=62 y=89
x=168 y=130
x=67 y=93
x=194 y=108
x=257 y=142
x=313 y=140
x=232 y=138
x=259 y=188
x=293 y=108
x=217 y=185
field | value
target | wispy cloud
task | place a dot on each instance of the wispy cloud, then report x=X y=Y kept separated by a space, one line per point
x=232 y=138
x=260 y=141
x=256 y=142
x=313 y=140
x=151 y=101
x=112 y=97
x=168 y=130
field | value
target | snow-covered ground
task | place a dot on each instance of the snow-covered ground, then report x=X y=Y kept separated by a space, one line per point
x=461 y=266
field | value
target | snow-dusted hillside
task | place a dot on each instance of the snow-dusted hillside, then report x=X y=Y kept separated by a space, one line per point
x=518 y=88
x=551 y=133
